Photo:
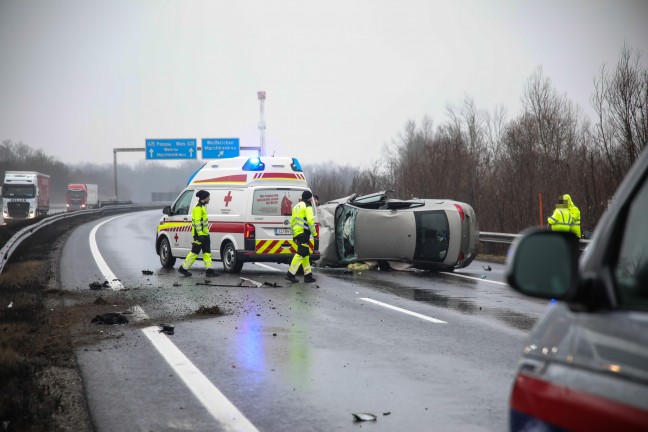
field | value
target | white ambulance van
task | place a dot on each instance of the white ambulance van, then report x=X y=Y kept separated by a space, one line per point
x=249 y=212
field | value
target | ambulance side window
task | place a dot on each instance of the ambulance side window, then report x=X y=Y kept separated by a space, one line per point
x=183 y=204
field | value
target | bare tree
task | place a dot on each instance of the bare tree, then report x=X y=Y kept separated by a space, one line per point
x=621 y=103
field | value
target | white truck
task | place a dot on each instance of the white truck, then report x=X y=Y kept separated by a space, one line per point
x=25 y=195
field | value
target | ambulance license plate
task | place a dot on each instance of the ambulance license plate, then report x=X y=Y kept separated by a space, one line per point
x=282 y=231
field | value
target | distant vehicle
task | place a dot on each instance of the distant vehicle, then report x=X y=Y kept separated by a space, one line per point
x=249 y=212
x=436 y=234
x=26 y=195
x=585 y=365
x=82 y=196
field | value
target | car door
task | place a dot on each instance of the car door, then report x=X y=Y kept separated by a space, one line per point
x=180 y=236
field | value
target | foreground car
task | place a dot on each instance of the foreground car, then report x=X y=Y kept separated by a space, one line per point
x=585 y=366
x=427 y=233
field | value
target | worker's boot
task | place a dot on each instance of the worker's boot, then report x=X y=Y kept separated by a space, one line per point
x=291 y=277
x=184 y=271
x=309 y=278
x=210 y=273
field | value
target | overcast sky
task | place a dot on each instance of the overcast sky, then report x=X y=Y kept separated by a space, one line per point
x=81 y=77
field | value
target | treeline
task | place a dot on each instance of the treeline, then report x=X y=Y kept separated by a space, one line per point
x=136 y=183
x=502 y=166
x=498 y=165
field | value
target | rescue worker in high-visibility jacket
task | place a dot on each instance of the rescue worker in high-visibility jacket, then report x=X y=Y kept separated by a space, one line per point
x=566 y=216
x=302 y=224
x=575 y=215
x=200 y=232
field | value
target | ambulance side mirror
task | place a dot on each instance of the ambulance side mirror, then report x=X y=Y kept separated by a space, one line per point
x=167 y=210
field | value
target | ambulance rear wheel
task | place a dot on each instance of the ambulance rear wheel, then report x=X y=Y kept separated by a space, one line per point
x=231 y=264
x=164 y=250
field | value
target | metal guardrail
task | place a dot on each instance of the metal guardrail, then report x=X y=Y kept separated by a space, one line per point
x=15 y=241
x=20 y=236
x=492 y=237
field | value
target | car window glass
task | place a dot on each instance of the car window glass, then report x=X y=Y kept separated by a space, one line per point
x=345 y=217
x=631 y=270
x=431 y=236
x=182 y=205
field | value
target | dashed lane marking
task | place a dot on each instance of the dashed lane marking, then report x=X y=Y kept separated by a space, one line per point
x=474 y=278
x=405 y=311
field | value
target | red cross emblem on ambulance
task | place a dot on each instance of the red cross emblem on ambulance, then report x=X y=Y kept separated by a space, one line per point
x=228 y=198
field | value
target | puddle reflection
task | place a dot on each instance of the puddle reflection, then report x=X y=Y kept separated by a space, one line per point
x=466 y=306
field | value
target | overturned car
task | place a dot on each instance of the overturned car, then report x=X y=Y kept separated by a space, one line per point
x=431 y=234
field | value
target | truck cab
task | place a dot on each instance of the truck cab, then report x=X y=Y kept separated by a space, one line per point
x=25 y=195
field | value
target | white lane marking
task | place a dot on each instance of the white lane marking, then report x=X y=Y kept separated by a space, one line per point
x=114 y=283
x=405 y=311
x=474 y=278
x=212 y=399
x=216 y=403
x=267 y=266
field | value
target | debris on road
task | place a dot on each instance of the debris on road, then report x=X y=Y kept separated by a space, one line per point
x=147 y=272
x=110 y=319
x=253 y=282
x=271 y=285
x=168 y=329
x=358 y=417
x=98 y=285
x=101 y=301
x=487 y=268
x=212 y=310
x=359 y=266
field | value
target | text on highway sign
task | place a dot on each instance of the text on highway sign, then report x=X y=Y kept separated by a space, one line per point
x=218 y=148
x=171 y=148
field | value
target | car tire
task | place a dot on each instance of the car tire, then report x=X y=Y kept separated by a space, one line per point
x=231 y=264
x=166 y=257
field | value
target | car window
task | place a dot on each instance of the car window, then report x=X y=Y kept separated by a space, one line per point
x=631 y=270
x=182 y=205
x=345 y=217
x=431 y=236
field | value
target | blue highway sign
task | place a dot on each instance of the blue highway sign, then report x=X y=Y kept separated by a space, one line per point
x=219 y=148
x=171 y=148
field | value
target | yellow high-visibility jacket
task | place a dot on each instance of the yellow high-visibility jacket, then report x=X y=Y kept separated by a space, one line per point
x=199 y=220
x=560 y=220
x=302 y=220
x=575 y=215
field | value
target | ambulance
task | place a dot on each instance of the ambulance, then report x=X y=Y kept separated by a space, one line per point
x=251 y=201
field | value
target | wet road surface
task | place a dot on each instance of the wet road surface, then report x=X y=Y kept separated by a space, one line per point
x=420 y=350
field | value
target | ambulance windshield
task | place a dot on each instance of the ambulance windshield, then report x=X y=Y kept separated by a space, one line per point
x=275 y=202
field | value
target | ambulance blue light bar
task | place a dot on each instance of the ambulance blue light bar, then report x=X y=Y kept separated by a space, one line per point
x=254 y=164
x=296 y=166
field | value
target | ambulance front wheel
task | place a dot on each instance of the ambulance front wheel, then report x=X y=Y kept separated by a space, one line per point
x=231 y=264
x=164 y=250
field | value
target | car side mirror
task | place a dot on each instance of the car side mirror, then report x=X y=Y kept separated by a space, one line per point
x=544 y=264
x=167 y=210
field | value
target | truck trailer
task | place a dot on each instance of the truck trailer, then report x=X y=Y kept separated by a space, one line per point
x=82 y=196
x=25 y=195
